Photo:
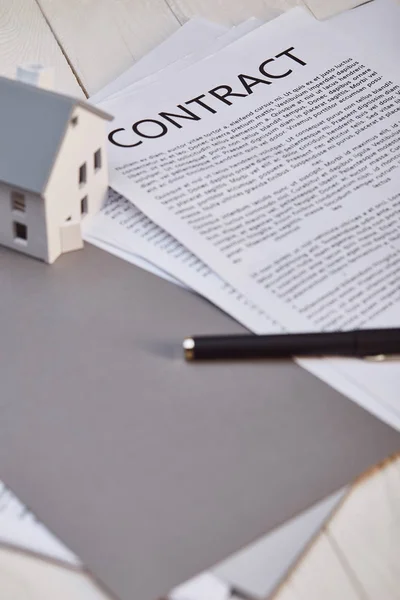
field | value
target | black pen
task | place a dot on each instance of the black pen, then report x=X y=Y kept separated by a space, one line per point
x=376 y=344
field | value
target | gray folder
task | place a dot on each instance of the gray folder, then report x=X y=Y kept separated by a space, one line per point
x=151 y=469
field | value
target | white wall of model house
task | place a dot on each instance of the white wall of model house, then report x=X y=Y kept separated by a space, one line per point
x=49 y=225
x=78 y=183
x=23 y=221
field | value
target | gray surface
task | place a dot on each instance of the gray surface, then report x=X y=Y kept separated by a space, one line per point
x=32 y=125
x=149 y=468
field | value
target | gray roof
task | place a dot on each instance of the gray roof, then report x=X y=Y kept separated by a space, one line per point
x=33 y=122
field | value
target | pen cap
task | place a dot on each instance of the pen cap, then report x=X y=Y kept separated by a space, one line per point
x=373 y=342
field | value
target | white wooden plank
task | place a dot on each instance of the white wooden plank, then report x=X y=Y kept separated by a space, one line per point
x=193 y=37
x=25 y=37
x=391 y=476
x=366 y=530
x=27 y=577
x=324 y=10
x=102 y=38
x=286 y=592
x=231 y=12
x=322 y=575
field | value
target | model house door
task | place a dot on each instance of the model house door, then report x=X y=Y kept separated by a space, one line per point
x=71 y=237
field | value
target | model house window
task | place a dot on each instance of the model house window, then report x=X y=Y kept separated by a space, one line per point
x=74 y=121
x=84 y=206
x=97 y=160
x=18 y=201
x=82 y=174
x=20 y=232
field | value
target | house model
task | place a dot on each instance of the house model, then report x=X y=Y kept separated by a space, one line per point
x=53 y=169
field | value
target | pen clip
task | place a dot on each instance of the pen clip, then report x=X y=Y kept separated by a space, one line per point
x=377 y=358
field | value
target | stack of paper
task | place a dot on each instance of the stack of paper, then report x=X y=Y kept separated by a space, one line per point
x=34 y=562
x=313 y=555
x=259 y=167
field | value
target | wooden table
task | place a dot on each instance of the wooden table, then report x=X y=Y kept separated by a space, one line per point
x=149 y=470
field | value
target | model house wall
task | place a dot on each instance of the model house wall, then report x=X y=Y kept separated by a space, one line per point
x=78 y=182
x=53 y=171
x=22 y=221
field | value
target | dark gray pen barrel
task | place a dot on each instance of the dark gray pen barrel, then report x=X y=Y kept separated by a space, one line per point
x=345 y=343
x=372 y=342
x=272 y=346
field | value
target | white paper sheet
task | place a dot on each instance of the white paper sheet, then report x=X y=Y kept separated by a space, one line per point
x=205 y=586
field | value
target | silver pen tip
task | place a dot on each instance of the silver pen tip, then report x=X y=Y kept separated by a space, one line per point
x=188 y=348
x=188 y=344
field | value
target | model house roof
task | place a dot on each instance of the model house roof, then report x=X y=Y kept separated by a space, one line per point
x=33 y=122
